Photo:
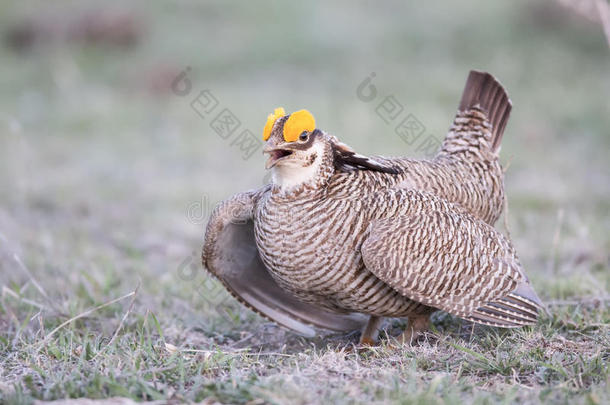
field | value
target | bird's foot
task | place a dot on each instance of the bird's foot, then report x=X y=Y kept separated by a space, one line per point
x=366 y=341
x=371 y=331
x=417 y=326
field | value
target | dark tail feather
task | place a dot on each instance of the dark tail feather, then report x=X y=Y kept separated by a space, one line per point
x=518 y=308
x=484 y=91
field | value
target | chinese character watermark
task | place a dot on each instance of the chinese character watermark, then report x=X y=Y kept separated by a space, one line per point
x=406 y=126
x=215 y=297
x=223 y=121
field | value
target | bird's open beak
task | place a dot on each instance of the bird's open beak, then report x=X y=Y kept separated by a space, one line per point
x=275 y=155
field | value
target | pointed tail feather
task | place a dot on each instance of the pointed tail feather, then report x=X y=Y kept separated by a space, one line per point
x=482 y=90
x=518 y=308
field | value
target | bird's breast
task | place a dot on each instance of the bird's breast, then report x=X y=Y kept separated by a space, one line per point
x=311 y=245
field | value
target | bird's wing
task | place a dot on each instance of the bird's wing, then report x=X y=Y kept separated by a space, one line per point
x=230 y=254
x=435 y=253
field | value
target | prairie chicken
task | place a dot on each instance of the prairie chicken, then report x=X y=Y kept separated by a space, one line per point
x=339 y=239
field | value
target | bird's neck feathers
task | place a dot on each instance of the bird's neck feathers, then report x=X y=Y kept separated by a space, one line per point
x=314 y=176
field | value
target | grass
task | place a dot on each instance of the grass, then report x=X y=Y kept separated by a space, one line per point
x=563 y=359
x=107 y=177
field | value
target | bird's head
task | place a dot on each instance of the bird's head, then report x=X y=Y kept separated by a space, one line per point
x=297 y=150
x=300 y=153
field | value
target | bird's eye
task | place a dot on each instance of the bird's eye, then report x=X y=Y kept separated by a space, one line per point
x=304 y=135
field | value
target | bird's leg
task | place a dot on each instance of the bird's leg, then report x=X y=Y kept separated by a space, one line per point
x=371 y=331
x=418 y=324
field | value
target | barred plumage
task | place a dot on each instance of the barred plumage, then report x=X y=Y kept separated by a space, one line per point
x=387 y=237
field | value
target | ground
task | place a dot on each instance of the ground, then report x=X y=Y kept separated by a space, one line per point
x=108 y=174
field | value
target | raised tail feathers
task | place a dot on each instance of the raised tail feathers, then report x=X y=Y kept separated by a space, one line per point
x=483 y=91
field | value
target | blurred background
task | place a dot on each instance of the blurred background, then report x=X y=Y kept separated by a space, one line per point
x=109 y=164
